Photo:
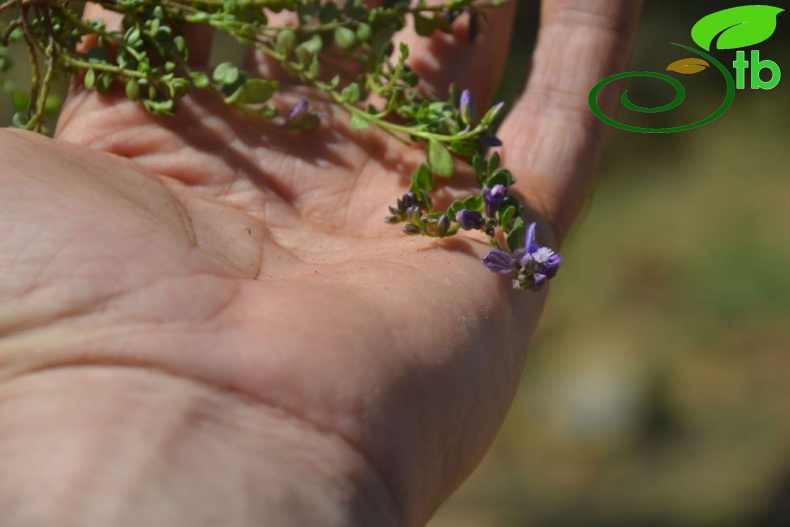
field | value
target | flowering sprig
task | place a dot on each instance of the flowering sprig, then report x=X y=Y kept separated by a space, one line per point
x=344 y=49
x=534 y=264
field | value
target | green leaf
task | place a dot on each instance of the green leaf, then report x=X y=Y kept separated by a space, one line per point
x=5 y=62
x=199 y=79
x=21 y=101
x=268 y=111
x=493 y=162
x=493 y=114
x=285 y=41
x=364 y=32
x=132 y=90
x=440 y=159
x=314 y=45
x=422 y=180
x=480 y=167
x=507 y=215
x=474 y=203
x=404 y=51
x=226 y=73
x=90 y=79
x=358 y=123
x=53 y=104
x=161 y=108
x=462 y=148
x=350 y=93
x=515 y=238
x=19 y=120
x=345 y=38
x=199 y=17
x=501 y=176
x=423 y=26
x=314 y=70
x=132 y=35
x=737 y=27
x=454 y=209
x=253 y=91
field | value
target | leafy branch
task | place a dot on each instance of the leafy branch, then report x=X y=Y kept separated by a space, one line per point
x=148 y=57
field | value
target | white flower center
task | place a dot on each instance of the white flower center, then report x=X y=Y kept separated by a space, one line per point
x=542 y=255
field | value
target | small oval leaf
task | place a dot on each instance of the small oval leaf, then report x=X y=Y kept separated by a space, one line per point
x=358 y=123
x=737 y=27
x=688 y=66
x=440 y=159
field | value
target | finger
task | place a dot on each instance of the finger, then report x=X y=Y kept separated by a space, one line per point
x=198 y=39
x=471 y=57
x=552 y=138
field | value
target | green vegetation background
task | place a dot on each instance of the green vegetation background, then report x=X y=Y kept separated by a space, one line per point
x=657 y=392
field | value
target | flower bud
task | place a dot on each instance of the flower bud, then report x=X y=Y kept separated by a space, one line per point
x=493 y=198
x=442 y=225
x=414 y=214
x=467 y=108
x=411 y=230
x=469 y=220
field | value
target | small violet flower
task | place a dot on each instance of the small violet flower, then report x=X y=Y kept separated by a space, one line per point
x=300 y=116
x=493 y=198
x=534 y=264
x=499 y=261
x=467 y=108
x=469 y=220
x=487 y=139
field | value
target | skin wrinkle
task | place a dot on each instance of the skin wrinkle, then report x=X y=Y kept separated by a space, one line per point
x=66 y=315
x=242 y=398
x=148 y=364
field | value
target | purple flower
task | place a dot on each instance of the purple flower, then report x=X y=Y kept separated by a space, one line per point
x=487 y=139
x=406 y=207
x=534 y=263
x=298 y=112
x=300 y=116
x=498 y=262
x=493 y=198
x=408 y=200
x=467 y=108
x=469 y=220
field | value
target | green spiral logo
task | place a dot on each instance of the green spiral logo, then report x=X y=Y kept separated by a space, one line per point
x=680 y=95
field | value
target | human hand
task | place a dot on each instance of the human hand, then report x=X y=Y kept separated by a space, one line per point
x=212 y=258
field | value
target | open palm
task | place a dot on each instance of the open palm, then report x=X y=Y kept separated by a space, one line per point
x=253 y=260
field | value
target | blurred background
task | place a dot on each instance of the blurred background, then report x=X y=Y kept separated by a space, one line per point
x=657 y=391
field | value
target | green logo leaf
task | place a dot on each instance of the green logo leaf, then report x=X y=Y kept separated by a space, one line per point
x=738 y=27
